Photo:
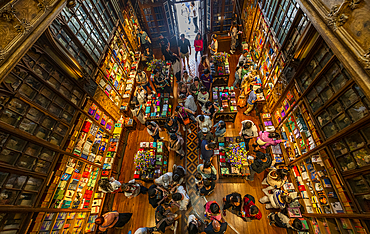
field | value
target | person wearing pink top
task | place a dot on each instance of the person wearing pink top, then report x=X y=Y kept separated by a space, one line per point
x=198 y=45
x=213 y=211
x=266 y=139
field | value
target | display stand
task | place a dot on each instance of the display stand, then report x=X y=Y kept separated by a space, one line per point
x=151 y=160
x=225 y=98
x=232 y=157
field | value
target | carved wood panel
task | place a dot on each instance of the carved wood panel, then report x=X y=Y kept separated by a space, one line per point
x=350 y=21
x=17 y=19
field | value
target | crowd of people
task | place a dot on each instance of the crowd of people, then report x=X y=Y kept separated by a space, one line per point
x=169 y=190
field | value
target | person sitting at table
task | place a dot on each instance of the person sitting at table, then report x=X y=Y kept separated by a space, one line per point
x=233 y=201
x=207 y=79
x=184 y=116
x=195 y=87
x=203 y=96
x=208 y=187
x=210 y=109
x=172 y=125
x=204 y=121
x=161 y=83
x=207 y=170
x=220 y=128
x=252 y=100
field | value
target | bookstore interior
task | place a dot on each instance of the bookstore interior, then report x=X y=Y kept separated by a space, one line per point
x=83 y=138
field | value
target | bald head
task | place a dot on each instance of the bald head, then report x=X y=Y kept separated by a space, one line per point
x=216 y=225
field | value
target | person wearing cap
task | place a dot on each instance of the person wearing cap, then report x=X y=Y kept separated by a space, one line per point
x=156 y=195
x=164 y=180
x=176 y=144
x=142 y=80
x=213 y=47
x=260 y=163
x=204 y=134
x=207 y=79
x=204 y=121
x=206 y=150
x=244 y=57
x=207 y=170
x=216 y=227
x=181 y=198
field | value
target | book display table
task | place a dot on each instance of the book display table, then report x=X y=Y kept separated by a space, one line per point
x=225 y=98
x=232 y=157
x=151 y=160
x=220 y=69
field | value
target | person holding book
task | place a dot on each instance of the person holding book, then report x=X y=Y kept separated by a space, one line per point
x=156 y=195
x=112 y=220
x=203 y=96
x=260 y=163
x=266 y=139
x=181 y=198
x=172 y=125
x=279 y=219
x=233 y=201
x=251 y=101
x=275 y=179
x=207 y=170
x=248 y=131
x=250 y=210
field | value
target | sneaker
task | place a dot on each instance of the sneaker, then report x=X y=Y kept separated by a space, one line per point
x=183 y=128
x=189 y=131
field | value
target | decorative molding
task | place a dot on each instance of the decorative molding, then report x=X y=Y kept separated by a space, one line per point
x=23 y=27
x=353 y=4
x=367 y=61
x=2 y=54
x=335 y=17
x=8 y=12
x=43 y=5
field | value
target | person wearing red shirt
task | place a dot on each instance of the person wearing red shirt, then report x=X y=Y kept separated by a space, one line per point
x=198 y=45
x=250 y=209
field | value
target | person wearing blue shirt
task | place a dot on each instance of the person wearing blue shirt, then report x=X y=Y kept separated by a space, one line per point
x=252 y=100
x=144 y=40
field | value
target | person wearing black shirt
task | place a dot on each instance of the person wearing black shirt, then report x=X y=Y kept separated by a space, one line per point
x=184 y=49
x=172 y=125
x=260 y=163
x=148 y=54
x=216 y=227
x=233 y=201
x=207 y=150
x=208 y=187
x=164 y=43
x=156 y=195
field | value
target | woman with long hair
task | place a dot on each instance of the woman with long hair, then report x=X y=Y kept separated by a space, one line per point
x=203 y=65
x=198 y=44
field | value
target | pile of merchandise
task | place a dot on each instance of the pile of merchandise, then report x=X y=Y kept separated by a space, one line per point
x=225 y=98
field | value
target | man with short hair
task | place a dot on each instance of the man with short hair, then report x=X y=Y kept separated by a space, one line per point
x=144 y=40
x=216 y=227
x=204 y=121
x=249 y=130
x=165 y=180
x=164 y=43
x=207 y=79
x=184 y=49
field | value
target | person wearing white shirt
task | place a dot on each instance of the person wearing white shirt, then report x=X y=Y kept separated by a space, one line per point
x=164 y=180
x=181 y=198
x=204 y=121
x=109 y=186
x=194 y=15
x=249 y=130
x=243 y=58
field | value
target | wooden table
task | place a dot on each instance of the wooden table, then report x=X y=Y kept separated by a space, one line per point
x=220 y=80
